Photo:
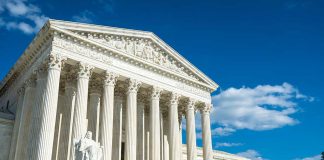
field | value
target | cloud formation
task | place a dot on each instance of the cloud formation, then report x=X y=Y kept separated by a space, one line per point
x=317 y=157
x=21 y=15
x=85 y=16
x=219 y=145
x=264 y=107
x=251 y=154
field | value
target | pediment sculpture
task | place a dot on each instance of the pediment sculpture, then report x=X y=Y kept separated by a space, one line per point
x=141 y=48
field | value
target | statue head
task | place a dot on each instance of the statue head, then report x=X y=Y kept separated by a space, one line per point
x=88 y=135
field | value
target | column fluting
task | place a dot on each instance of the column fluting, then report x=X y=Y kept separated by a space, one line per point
x=94 y=108
x=173 y=127
x=206 y=132
x=66 y=134
x=191 y=130
x=155 y=130
x=141 y=126
x=118 y=121
x=44 y=113
x=131 y=110
x=107 y=113
x=80 y=111
x=17 y=131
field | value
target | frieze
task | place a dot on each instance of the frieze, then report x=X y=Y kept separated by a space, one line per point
x=85 y=51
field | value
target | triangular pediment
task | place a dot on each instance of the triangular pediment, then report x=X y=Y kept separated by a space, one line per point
x=140 y=44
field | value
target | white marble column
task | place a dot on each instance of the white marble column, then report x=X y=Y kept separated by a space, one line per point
x=206 y=132
x=94 y=108
x=173 y=126
x=67 y=119
x=131 y=110
x=17 y=131
x=58 y=125
x=117 y=126
x=140 y=126
x=191 y=130
x=44 y=113
x=107 y=113
x=161 y=136
x=180 y=135
x=80 y=110
x=23 y=135
x=155 y=132
x=165 y=136
x=41 y=79
x=147 y=133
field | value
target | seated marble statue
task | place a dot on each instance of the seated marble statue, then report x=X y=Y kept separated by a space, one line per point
x=88 y=149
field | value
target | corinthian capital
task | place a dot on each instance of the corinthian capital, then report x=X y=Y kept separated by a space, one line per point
x=21 y=91
x=30 y=82
x=156 y=92
x=206 y=108
x=133 y=85
x=191 y=104
x=84 y=70
x=110 y=78
x=174 y=98
x=54 y=61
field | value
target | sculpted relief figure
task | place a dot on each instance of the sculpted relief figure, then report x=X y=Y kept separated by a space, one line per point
x=140 y=48
x=87 y=149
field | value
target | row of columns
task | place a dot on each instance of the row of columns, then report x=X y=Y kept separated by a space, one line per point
x=40 y=112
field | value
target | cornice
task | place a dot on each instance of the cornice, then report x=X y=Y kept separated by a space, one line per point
x=39 y=44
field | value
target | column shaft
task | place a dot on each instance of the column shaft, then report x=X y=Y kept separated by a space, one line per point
x=117 y=131
x=17 y=131
x=43 y=120
x=80 y=110
x=191 y=130
x=180 y=137
x=107 y=114
x=165 y=137
x=66 y=136
x=155 y=131
x=58 y=126
x=130 y=135
x=206 y=133
x=173 y=127
x=140 y=130
x=147 y=134
x=94 y=114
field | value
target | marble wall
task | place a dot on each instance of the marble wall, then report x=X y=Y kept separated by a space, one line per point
x=6 y=127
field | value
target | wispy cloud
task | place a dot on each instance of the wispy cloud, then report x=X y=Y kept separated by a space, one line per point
x=226 y=144
x=21 y=15
x=317 y=157
x=85 y=16
x=264 y=107
x=251 y=154
x=89 y=16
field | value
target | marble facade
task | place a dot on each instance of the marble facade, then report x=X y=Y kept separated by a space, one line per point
x=129 y=88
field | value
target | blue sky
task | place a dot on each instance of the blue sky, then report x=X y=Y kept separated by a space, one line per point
x=267 y=56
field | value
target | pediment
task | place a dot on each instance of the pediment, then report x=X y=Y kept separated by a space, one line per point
x=144 y=45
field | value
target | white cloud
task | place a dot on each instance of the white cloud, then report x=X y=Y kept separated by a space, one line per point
x=317 y=157
x=22 y=16
x=226 y=144
x=251 y=154
x=85 y=16
x=264 y=107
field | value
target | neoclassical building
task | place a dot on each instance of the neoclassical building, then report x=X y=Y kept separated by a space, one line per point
x=128 y=87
